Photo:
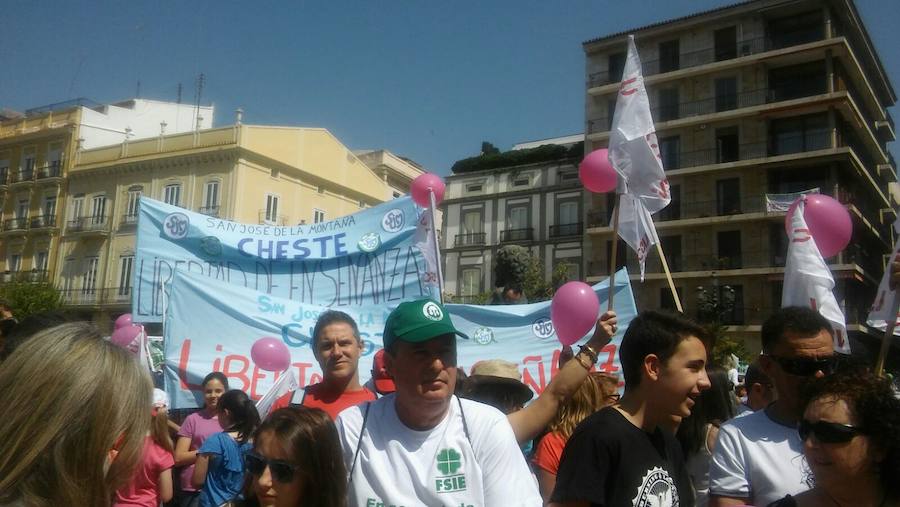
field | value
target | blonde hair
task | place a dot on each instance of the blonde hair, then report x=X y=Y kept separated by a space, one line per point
x=69 y=398
x=593 y=395
x=159 y=430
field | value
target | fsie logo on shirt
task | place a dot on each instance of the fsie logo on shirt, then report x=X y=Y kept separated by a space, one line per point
x=449 y=462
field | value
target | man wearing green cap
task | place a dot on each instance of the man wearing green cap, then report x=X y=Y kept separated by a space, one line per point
x=422 y=445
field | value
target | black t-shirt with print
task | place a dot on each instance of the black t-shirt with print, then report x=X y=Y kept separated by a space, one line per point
x=610 y=462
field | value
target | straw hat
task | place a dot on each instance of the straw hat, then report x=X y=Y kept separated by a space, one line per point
x=498 y=372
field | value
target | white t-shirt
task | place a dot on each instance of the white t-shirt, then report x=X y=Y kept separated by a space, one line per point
x=398 y=466
x=758 y=459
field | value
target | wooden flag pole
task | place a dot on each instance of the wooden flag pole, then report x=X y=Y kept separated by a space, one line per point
x=665 y=266
x=612 y=256
x=888 y=336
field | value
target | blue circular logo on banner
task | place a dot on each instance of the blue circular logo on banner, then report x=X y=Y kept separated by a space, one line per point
x=542 y=328
x=392 y=221
x=175 y=225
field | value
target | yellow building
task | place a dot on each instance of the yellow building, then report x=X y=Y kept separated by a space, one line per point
x=245 y=173
x=36 y=153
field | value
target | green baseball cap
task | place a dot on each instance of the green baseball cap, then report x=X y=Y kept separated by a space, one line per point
x=418 y=321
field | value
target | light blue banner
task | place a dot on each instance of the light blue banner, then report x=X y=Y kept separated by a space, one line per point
x=212 y=325
x=350 y=263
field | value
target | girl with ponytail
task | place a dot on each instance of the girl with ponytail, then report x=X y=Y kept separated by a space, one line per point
x=219 y=471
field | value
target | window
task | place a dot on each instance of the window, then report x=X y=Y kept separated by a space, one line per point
x=621 y=252
x=673 y=210
x=40 y=261
x=89 y=277
x=729 y=244
x=521 y=181
x=568 y=213
x=68 y=276
x=615 y=66
x=15 y=263
x=670 y=152
x=725 y=42
x=474 y=187
x=726 y=94
x=573 y=269
x=517 y=216
x=26 y=169
x=98 y=209
x=22 y=209
x=49 y=208
x=610 y=112
x=211 y=198
x=566 y=176
x=728 y=196
x=396 y=194
x=54 y=160
x=668 y=104
x=172 y=194
x=77 y=207
x=734 y=316
x=4 y=171
x=271 y=208
x=727 y=147
x=671 y=246
x=318 y=216
x=470 y=282
x=666 y=301
x=126 y=263
x=131 y=207
x=668 y=56
x=799 y=134
x=796 y=81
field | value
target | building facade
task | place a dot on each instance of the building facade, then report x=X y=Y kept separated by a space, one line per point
x=245 y=173
x=37 y=150
x=763 y=97
x=535 y=205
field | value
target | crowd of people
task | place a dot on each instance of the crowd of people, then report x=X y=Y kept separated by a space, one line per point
x=83 y=425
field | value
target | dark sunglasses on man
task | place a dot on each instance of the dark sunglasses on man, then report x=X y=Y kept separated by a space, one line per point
x=828 y=432
x=805 y=367
x=281 y=470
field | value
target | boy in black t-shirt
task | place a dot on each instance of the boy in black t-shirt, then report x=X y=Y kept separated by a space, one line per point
x=621 y=456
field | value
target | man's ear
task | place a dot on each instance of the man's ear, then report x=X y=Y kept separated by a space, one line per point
x=652 y=367
x=767 y=365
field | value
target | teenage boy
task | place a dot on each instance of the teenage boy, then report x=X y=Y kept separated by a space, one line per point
x=621 y=456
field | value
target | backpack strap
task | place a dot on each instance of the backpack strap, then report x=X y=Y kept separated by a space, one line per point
x=359 y=442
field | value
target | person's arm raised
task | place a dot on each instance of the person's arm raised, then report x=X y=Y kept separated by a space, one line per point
x=531 y=420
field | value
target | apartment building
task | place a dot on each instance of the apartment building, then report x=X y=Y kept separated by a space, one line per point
x=36 y=153
x=515 y=201
x=245 y=173
x=761 y=97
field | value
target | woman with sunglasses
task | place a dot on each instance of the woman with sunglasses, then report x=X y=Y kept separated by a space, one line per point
x=296 y=460
x=851 y=441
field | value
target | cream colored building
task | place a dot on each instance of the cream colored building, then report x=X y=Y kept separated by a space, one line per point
x=245 y=173
x=36 y=154
x=767 y=96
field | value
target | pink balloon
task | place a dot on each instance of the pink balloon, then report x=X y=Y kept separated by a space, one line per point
x=828 y=221
x=596 y=173
x=423 y=183
x=270 y=354
x=123 y=320
x=574 y=311
x=125 y=335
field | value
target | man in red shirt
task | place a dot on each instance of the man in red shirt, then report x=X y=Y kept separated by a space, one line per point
x=337 y=346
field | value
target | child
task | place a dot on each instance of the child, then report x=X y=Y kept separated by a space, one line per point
x=195 y=430
x=219 y=471
x=152 y=481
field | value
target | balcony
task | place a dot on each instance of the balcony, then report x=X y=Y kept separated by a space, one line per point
x=517 y=235
x=212 y=211
x=96 y=296
x=23 y=177
x=50 y=173
x=129 y=221
x=566 y=230
x=4 y=178
x=43 y=222
x=271 y=219
x=19 y=224
x=93 y=225
x=469 y=239
x=717 y=104
x=711 y=54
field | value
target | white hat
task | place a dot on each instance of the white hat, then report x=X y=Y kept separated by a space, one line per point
x=160 y=398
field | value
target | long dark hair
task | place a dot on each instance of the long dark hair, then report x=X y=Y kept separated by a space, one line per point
x=875 y=404
x=714 y=406
x=310 y=438
x=242 y=413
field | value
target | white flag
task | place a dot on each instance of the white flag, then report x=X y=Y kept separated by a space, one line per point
x=881 y=309
x=287 y=382
x=808 y=281
x=633 y=148
x=634 y=153
x=427 y=244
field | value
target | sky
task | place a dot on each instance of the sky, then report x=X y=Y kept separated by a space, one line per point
x=429 y=80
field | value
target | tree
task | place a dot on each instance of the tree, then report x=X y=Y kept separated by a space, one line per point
x=27 y=298
x=488 y=149
x=712 y=308
x=517 y=267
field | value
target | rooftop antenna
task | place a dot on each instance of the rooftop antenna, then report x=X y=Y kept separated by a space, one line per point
x=137 y=93
x=200 y=81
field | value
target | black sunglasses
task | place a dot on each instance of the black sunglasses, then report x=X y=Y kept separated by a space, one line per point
x=282 y=471
x=802 y=367
x=828 y=432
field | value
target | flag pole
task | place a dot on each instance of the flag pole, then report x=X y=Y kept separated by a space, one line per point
x=437 y=249
x=888 y=335
x=612 y=256
x=665 y=266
